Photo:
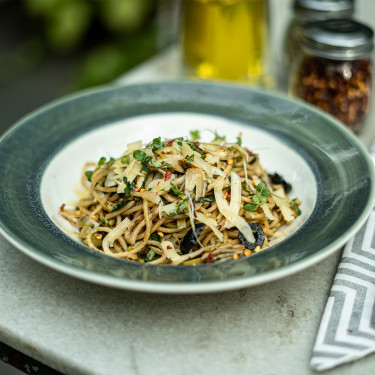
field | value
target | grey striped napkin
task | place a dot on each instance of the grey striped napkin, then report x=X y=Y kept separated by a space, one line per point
x=347 y=329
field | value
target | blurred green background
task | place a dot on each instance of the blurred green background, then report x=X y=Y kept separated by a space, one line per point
x=49 y=48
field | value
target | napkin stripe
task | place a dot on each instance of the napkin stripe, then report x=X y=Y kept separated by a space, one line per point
x=347 y=330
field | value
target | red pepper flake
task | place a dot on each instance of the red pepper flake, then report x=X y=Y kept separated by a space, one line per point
x=210 y=258
x=168 y=175
x=170 y=143
x=197 y=143
x=219 y=227
x=249 y=152
x=169 y=247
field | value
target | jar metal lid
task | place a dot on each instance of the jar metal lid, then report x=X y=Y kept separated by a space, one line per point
x=338 y=39
x=323 y=9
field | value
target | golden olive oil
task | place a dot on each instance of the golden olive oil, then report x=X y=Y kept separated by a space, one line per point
x=226 y=39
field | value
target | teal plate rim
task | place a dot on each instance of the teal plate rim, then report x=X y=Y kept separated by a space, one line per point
x=343 y=169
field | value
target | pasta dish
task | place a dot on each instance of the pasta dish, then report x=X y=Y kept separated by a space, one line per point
x=182 y=201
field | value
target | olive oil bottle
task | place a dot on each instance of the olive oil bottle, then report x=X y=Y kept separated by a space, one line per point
x=226 y=39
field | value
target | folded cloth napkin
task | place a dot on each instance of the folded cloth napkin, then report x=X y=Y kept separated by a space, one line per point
x=347 y=329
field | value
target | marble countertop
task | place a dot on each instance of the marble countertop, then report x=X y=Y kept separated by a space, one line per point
x=84 y=329
x=81 y=328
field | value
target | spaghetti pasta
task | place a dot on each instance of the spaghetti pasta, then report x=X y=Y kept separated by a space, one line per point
x=181 y=202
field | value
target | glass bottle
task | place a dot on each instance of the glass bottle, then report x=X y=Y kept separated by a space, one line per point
x=334 y=71
x=304 y=13
x=226 y=39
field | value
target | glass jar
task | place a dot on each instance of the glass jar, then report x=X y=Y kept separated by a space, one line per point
x=304 y=13
x=334 y=71
x=226 y=39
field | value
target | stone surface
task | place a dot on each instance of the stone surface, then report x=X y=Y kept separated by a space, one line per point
x=81 y=328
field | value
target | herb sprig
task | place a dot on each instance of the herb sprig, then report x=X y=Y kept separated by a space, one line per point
x=258 y=198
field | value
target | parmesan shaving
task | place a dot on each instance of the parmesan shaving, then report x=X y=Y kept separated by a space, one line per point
x=279 y=197
x=115 y=233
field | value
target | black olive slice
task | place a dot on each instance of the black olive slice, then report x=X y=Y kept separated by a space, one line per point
x=258 y=234
x=279 y=180
x=189 y=239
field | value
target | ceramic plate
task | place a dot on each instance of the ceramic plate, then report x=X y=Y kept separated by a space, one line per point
x=43 y=155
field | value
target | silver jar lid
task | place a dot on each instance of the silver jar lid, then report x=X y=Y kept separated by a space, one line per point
x=338 y=39
x=323 y=9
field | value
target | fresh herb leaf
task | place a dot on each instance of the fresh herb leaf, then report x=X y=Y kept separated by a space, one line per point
x=295 y=207
x=156 y=144
x=195 y=135
x=239 y=141
x=150 y=254
x=139 y=155
x=261 y=186
x=177 y=192
x=256 y=198
x=190 y=158
x=197 y=149
x=125 y=159
x=88 y=175
x=155 y=163
x=164 y=200
x=161 y=164
x=209 y=198
x=167 y=166
x=250 y=207
x=218 y=137
x=265 y=192
x=182 y=205
x=144 y=159
x=121 y=204
x=155 y=237
x=102 y=160
x=129 y=187
x=263 y=199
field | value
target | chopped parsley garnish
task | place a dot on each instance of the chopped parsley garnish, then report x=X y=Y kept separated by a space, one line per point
x=139 y=155
x=195 y=147
x=88 y=175
x=163 y=200
x=190 y=158
x=161 y=164
x=144 y=159
x=120 y=205
x=155 y=237
x=150 y=254
x=218 y=137
x=252 y=207
x=209 y=198
x=295 y=207
x=102 y=160
x=176 y=192
x=156 y=144
x=259 y=196
x=129 y=186
x=195 y=136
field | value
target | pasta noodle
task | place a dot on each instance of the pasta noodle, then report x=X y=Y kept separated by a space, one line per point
x=181 y=202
